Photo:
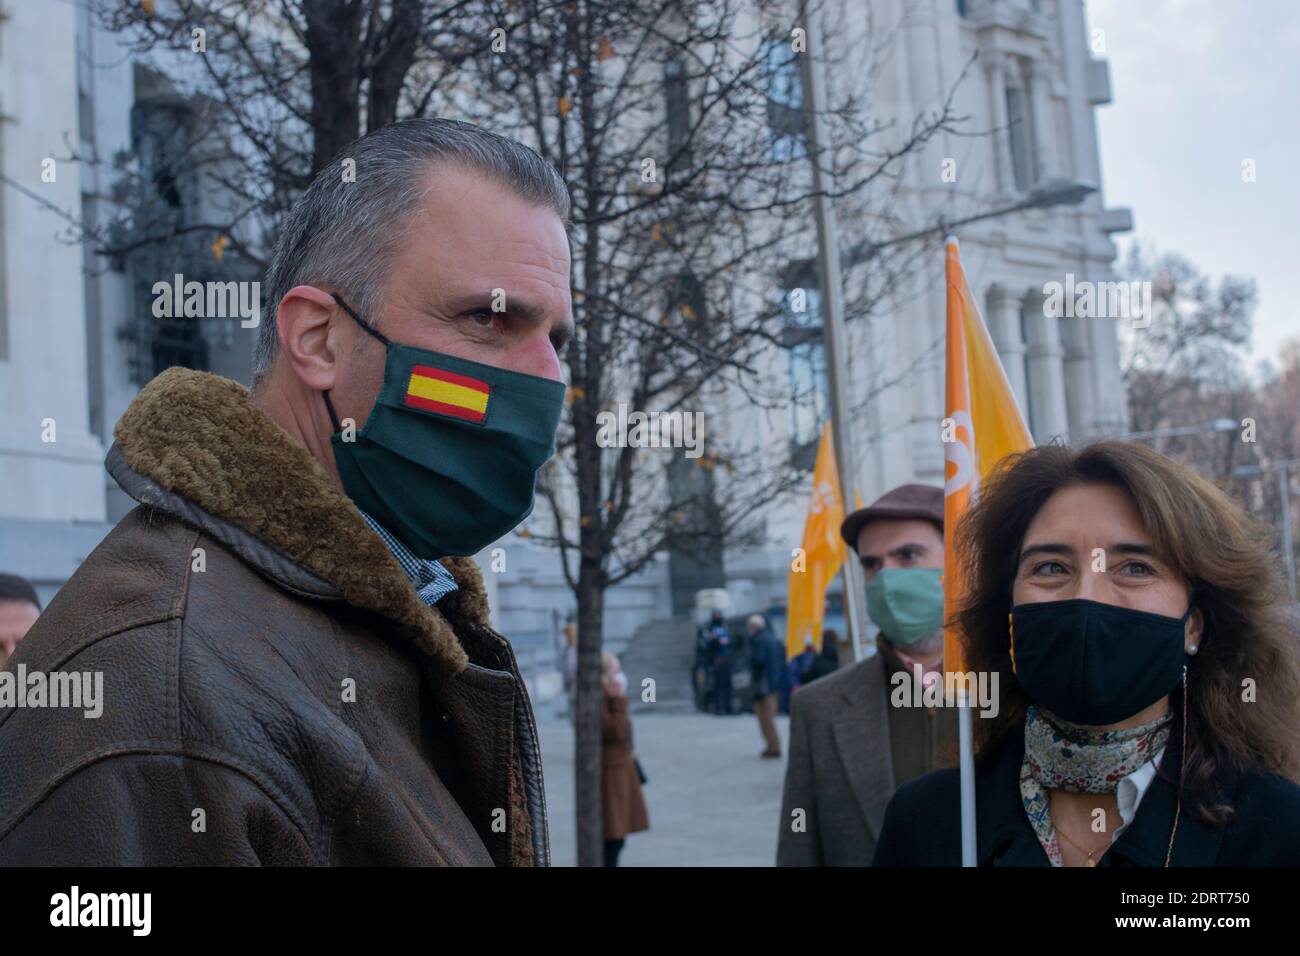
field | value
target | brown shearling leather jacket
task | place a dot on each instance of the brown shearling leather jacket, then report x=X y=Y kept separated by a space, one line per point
x=274 y=692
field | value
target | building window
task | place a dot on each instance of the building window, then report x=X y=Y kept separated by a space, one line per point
x=677 y=109
x=809 y=405
x=1020 y=130
x=168 y=198
x=178 y=341
x=162 y=135
x=785 y=115
x=688 y=307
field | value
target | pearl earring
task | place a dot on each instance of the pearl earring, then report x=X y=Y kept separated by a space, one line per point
x=1192 y=649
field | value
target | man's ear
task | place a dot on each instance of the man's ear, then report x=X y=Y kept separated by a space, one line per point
x=309 y=341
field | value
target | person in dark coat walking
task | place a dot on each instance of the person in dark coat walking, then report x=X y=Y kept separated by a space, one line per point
x=720 y=663
x=1117 y=556
x=766 y=664
x=621 y=798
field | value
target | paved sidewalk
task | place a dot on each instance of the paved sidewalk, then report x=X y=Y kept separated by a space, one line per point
x=712 y=800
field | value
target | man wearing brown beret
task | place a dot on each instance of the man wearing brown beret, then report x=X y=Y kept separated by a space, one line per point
x=849 y=748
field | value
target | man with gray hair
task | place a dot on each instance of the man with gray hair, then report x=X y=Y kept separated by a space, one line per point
x=297 y=658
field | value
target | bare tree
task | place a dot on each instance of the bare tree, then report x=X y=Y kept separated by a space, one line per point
x=1188 y=369
x=679 y=128
x=1194 y=342
x=273 y=89
x=681 y=132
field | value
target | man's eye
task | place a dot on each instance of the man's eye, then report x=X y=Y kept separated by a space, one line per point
x=483 y=317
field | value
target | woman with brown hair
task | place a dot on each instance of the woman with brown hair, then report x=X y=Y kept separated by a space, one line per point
x=1147 y=669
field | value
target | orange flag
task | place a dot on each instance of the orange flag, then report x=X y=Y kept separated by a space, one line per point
x=823 y=552
x=982 y=424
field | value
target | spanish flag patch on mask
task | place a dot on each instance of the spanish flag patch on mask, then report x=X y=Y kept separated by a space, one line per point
x=444 y=392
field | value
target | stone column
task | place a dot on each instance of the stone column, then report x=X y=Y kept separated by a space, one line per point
x=1110 y=411
x=1004 y=326
x=1045 y=370
x=1080 y=407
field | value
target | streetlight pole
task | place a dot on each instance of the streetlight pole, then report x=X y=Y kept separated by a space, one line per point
x=1218 y=425
x=832 y=308
x=1054 y=192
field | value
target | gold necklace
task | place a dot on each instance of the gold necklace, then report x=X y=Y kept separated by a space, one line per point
x=1178 y=805
x=1089 y=861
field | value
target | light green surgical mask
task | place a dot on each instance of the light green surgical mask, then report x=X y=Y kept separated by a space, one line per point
x=906 y=603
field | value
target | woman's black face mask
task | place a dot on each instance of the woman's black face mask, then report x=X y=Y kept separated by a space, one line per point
x=1095 y=664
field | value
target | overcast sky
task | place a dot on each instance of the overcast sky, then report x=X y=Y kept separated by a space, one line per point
x=1198 y=86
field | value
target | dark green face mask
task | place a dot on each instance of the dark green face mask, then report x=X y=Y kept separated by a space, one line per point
x=447 y=459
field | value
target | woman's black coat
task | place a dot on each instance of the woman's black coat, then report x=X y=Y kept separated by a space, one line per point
x=922 y=825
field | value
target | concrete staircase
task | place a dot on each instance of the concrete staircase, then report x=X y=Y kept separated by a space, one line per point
x=663 y=649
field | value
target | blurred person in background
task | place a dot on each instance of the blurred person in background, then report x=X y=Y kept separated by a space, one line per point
x=766 y=664
x=19 y=608
x=849 y=748
x=1149 y=678
x=570 y=665
x=801 y=664
x=720 y=663
x=701 y=675
x=827 y=660
x=622 y=802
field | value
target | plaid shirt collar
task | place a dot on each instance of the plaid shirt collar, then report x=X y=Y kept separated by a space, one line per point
x=432 y=581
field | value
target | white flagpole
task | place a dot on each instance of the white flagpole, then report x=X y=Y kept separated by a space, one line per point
x=967 y=772
x=965 y=731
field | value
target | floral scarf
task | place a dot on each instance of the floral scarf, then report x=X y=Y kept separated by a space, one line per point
x=1064 y=756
